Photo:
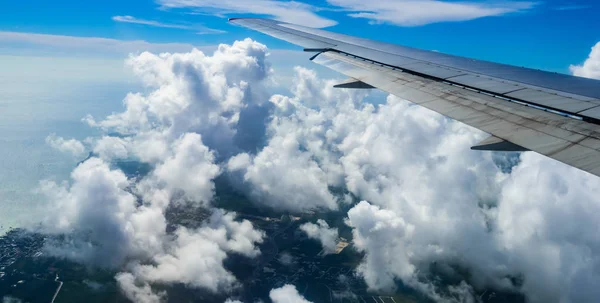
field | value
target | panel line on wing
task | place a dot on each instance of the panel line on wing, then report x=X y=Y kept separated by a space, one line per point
x=503 y=97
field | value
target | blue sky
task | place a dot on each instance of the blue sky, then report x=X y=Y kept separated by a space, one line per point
x=550 y=34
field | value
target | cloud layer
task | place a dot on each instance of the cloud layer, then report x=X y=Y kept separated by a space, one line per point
x=432 y=207
x=433 y=201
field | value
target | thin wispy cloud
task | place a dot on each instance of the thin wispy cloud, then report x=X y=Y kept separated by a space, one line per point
x=421 y=12
x=289 y=11
x=88 y=46
x=200 y=29
x=572 y=7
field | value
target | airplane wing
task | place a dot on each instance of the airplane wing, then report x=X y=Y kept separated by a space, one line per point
x=553 y=114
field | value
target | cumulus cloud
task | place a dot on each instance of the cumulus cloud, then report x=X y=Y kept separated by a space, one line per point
x=111 y=148
x=373 y=228
x=431 y=205
x=180 y=129
x=323 y=233
x=138 y=293
x=106 y=227
x=285 y=178
x=377 y=153
x=430 y=199
x=591 y=67
x=421 y=12
x=98 y=207
x=191 y=92
x=187 y=172
x=545 y=220
x=287 y=294
x=539 y=231
x=290 y=11
x=71 y=146
x=196 y=258
x=299 y=163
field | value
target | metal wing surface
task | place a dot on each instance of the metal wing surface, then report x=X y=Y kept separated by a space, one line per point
x=553 y=114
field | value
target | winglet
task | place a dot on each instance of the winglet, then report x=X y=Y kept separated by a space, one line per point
x=493 y=143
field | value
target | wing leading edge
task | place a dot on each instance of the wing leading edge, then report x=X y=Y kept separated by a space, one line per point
x=523 y=109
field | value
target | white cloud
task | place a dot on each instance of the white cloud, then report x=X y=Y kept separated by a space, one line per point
x=591 y=67
x=373 y=228
x=136 y=292
x=379 y=155
x=211 y=95
x=97 y=209
x=196 y=27
x=546 y=221
x=189 y=171
x=110 y=148
x=106 y=227
x=420 y=12
x=287 y=294
x=387 y=240
x=134 y=20
x=289 y=11
x=191 y=92
x=429 y=199
x=196 y=258
x=285 y=178
x=297 y=166
x=322 y=232
x=71 y=146
x=112 y=221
